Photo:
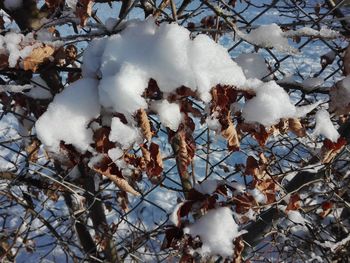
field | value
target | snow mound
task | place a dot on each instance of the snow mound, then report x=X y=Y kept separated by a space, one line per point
x=269 y=36
x=325 y=127
x=116 y=71
x=217 y=230
x=270 y=104
x=166 y=53
x=68 y=116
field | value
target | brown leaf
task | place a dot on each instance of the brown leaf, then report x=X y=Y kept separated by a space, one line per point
x=294 y=202
x=37 y=57
x=4 y=61
x=327 y=208
x=102 y=142
x=32 y=150
x=296 y=127
x=186 y=258
x=268 y=188
x=154 y=167
x=261 y=135
x=109 y=169
x=239 y=247
x=123 y=201
x=252 y=166
x=256 y=131
x=182 y=154
x=144 y=124
x=243 y=203
x=331 y=149
x=152 y=91
x=228 y=131
x=172 y=235
x=83 y=10
x=222 y=98
x=71 y=52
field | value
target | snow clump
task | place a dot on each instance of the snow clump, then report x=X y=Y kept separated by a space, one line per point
x=217 y=230
x=68 y=116
x=325 y=127
x=270 y=104
x=117 y=70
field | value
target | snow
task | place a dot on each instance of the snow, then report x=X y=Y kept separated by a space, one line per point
x=13 y=4
x=334 y=246
x=169 y=114
x=270 y=104
x=217 y=230
x=123 y=92
x=258 y=196
x=296 y=217
x=253 y=65
x=115 y=153
x=324 y=126
x=128 y=60
x=310 y=32
x=269 y=36
x=124 y=134
x=67 y=117
x=14 y=88
x=208 y=186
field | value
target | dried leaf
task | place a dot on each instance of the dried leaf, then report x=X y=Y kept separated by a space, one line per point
x=327 y=208
x=154 y=167
x=243 y=203
x=109 y=169
x=172 y=235
x=4 y=61
x=71 y=52
x=186 y=258
x=239 y=247
x=294 y=202
x=83 y=10
x=102 y=142
x=252 y=166
x=268 y=187
x=182 y=155
x=330 y=149
x=32 y=150
x=296 y=127
x=37 y=57
x=152 y=91
x=123 y=201
x=222 y=98
x=228 y=131
x=144 y=124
